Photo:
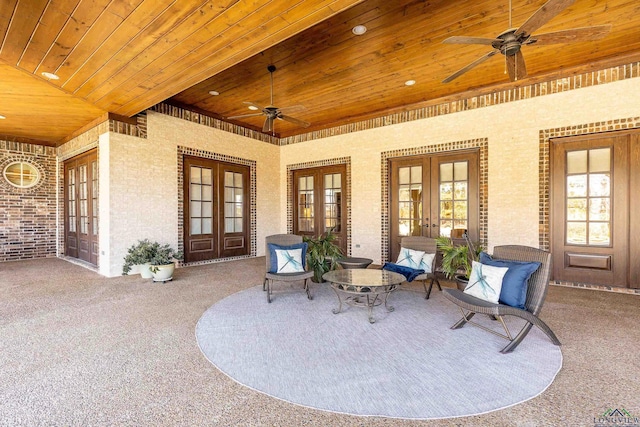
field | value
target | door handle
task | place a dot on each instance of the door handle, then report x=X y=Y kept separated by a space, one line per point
x=434 y=225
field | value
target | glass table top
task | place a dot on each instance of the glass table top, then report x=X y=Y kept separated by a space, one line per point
x=367 y=277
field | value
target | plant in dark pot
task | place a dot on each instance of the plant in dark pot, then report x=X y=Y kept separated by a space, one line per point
x=140 y=254
x=163 y=263
x=457 y=258
x=322 y=254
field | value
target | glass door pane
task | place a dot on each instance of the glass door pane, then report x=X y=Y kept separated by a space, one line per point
x=333 y=202
x=201 y=200
x=233 y=202
x=71 y=199
x=410 y=200
x=305 y=200
x=94 y=196
x=82 y=198
x=588 y=197
x=453 y=196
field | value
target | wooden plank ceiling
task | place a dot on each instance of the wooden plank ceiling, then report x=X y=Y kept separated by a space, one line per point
x=124 y=56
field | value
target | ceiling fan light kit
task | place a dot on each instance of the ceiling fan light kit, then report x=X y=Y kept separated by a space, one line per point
x=509 y=43
x=271 y=111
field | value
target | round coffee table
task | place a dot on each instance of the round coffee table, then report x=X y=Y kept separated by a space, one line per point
x=363 y=287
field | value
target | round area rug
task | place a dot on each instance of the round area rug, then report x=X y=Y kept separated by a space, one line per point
x=408 y=364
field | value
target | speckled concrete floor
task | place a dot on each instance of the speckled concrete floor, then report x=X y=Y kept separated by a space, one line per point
x=80 y=349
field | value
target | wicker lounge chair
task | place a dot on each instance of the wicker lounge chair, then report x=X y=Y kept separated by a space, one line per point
x=536 y=293
x=428 y=245
x=269 y=278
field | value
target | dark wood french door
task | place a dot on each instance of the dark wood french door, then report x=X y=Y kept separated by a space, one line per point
x=81 y=207
x=433 y=195
x=216 y=209
x=595 y=209
x=320 y=203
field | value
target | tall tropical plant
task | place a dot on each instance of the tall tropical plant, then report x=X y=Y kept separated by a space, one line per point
x=458 y=258
x=322 y=254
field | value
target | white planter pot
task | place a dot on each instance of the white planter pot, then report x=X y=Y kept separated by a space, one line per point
x=164 y=273
x=145 y=273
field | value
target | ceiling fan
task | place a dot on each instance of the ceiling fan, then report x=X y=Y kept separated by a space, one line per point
x=272 y=112
x=511 y=41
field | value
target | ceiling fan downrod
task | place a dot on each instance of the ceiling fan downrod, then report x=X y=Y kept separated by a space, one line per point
x=271 y=68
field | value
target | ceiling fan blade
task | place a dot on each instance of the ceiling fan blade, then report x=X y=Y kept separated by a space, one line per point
x=573 y=35
x=516 y=66
x=543 y=15
x=470 y=66
x=268 y=124
x=470 y=40
x=242 y=116
x=295 y=121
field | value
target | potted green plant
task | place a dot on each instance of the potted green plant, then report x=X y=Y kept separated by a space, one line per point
x=457 y=258
x=162 y=263
x=140 y=254
x=322 y=254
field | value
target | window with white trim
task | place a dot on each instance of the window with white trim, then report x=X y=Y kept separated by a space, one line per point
x=21 y=174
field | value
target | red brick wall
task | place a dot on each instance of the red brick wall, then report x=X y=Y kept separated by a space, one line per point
x=28 y=216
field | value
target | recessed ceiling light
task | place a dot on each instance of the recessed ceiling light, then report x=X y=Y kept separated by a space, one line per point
x=214 y=92
x=253 y=107
x=359 y=30
x=50 y=76
x=409 y=82
x=2 y=117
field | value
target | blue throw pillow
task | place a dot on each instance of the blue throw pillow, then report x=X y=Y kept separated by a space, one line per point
x=515 y=281
x=273 y=256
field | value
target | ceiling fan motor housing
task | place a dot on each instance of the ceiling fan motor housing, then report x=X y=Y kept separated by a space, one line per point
x=508 y=44
x=271 y=111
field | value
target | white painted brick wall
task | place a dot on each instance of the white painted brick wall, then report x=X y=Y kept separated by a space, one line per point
x=513 y=135
x=143 y=182
x=143 y=173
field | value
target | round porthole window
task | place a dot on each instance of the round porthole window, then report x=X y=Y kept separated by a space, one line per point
x=21 y=174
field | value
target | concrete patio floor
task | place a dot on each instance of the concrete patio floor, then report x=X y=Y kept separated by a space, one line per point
x=80 y=349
